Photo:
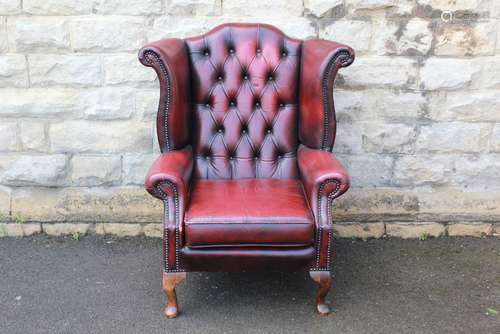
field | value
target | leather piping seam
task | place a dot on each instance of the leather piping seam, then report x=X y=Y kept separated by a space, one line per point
x=151 y=56
x=165 y=197
x=319 y=232
x=345 y=60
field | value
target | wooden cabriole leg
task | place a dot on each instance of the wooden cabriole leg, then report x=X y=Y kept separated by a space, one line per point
x=324 y=281
x=170 y=281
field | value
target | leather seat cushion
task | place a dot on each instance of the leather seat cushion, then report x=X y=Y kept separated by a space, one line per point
x=248 y=212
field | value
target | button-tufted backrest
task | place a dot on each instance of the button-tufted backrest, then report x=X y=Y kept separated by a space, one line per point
x=245 y=100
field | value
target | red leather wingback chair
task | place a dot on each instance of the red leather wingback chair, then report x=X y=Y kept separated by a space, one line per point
x=245 y=125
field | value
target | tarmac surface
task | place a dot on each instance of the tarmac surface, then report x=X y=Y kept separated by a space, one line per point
x=113 y=285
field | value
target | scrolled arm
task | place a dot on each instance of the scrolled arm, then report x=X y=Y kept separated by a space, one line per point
x=169 y=180
x=324 y=179
x=174 y=167
x=169 y=59
x=321 y=59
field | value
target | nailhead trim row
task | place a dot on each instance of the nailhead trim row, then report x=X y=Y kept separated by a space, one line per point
x=164 y=197
x=154 y=60
x=319 y=232
x=340 y=58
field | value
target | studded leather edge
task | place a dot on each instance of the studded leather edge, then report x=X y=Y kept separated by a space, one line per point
x=341 y=58
x=160 y=193
x=319 y=232
x=152 y=59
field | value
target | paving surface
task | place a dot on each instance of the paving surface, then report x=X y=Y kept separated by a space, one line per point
x=108 y=285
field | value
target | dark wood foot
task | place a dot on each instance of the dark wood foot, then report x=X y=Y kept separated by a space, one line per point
x=170 y=281
x=324 y=281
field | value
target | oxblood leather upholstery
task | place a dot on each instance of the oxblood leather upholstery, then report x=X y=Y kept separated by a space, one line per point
x=324 y=179
x=174 y=118
x=245 y=123
x=169 y=180
x=320 y=62
x=251 y=212
x=245 y=102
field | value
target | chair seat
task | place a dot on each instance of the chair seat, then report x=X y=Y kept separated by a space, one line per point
x=252 y=212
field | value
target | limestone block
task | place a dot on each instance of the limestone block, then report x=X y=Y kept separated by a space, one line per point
x=441 y=73
x=471 y=229
x=129 y=7
x=368 y=170
x=414 y=230
x=194 y=7
x=419 y=170
x=452 y=137
x=389 y=138
x=466 y=39
x=136 y=166
x=59 y=229
x=380 y=72
x=65 y=70
x=119 y=229
x=108 y=103
x=402 y=37
x=38 y=102
x=42 y=170
x=85 y=173
x=13 y=71
x=355 y=33
x=33 y=136
x=100 y=137
x=126 y=69
x=58 y=7
x=81 y=205
x=10 y=7
x=107 y=33
x=278 y=8
x=38 y=34
x=8 y=136
x=359 y=230
x=153 y=230
x=321 y=7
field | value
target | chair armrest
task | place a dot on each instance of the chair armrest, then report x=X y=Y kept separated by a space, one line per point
x=321 y=60
x=169 y=58
x=169 y=180
x=323 y=177
x=173 y=167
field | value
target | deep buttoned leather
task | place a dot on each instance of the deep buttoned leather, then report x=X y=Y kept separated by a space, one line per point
x=245 y=102
x=255 y=191
x=248 y=212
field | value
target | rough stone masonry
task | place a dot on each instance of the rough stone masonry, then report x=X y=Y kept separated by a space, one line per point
x=418 y=112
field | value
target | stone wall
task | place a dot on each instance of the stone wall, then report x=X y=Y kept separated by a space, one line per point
x=418 y=111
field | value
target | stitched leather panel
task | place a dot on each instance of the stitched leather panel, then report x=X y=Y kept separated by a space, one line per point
x=248 y=212
x=324 y=179
x=247 y=259
x=168 y=57
x=320 y=62
x=245 y=100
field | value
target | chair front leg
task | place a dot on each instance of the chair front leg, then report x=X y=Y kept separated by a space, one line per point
x=170 y=281
x=173 y=272
x=320 y=271
x=324 y=280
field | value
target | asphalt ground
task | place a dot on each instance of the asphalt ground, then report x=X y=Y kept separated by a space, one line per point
x=113 y=285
